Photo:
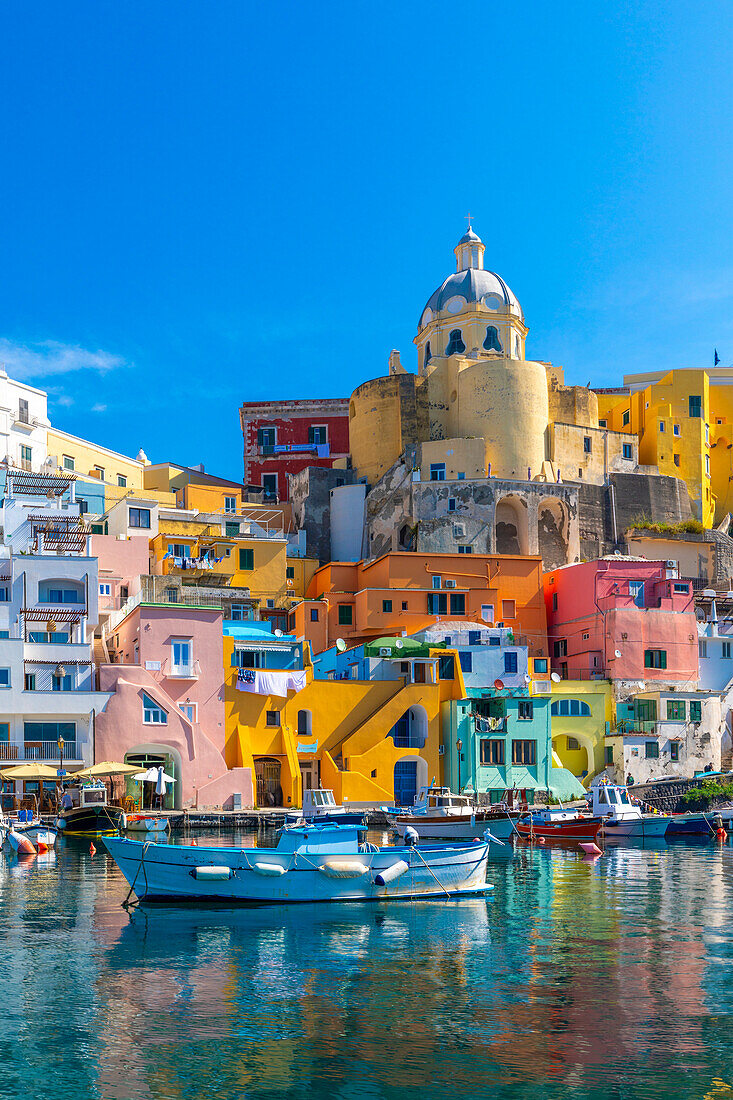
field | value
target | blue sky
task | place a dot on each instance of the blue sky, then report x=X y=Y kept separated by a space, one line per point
x=210 y=203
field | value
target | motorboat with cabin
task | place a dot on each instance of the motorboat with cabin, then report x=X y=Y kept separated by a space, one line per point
x=320 y=805
x=90 y=813
x=439 y=814
x=311 y=862
x=623 y=817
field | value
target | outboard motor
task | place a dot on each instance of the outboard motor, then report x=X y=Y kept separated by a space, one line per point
x=411 y=837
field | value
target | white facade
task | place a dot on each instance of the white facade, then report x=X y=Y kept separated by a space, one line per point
x=686 y=737
x=23 y=424
x=133 y=516
x=48 y=609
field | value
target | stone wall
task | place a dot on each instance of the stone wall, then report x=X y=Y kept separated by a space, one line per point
x=310 y=496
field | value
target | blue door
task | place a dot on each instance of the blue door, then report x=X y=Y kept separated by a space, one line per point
x=405 y=782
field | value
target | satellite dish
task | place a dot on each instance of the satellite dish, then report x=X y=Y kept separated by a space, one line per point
x=526 y=679
x=399 y=643
x=555 y=677
x=617 y=652
x=340 y=645
x=498 y=684
x=278 y=633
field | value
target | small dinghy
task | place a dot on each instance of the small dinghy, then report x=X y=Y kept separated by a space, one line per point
x=146 y=823
x=310 y=863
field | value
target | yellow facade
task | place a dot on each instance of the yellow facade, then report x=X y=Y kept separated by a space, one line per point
x=578 y=740
x=257 y=564
x=299 y=574
x=92 y=460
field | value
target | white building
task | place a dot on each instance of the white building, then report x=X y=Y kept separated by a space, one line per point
x=23 y=424
x=48 y=611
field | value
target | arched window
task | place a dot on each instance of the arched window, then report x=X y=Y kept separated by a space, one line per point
x=492 y=341
x=455 y=343
x=516 y=347
x=305 y=720
x=428 y=356
x=570 y=708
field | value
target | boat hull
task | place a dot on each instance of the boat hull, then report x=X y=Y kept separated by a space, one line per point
x=142 y=823
x=169 y=872
x=644 y=828
x=568 y=832
x=453 y=828
x=692 y=824
x=91 y=821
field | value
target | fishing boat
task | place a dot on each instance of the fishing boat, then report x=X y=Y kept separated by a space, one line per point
x=564 y=826
x=438 y=814
x=695 y=823
x=90 y=814
x=26 y=824
x=622 y=817
x=146 y=823
x=310 y=863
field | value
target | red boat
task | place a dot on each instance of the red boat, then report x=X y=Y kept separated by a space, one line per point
x=565 y=826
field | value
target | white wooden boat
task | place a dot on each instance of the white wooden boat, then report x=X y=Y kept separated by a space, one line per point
x=621 y=817
x=438 y=814
x=310 y=863
x=146 y=823
x=320 y=805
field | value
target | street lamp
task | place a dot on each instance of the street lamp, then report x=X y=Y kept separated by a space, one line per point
x=59 y=785
x=459 y=746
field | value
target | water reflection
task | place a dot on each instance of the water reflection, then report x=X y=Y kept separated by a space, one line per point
x=577 y=979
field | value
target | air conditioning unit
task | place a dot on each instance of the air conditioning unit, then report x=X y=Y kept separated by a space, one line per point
x=450 y=584
x=441 y=750
x=385 y=651
x=542 y=687
x=671 y=564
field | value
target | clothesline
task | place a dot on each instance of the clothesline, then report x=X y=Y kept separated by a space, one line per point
x=266 y=682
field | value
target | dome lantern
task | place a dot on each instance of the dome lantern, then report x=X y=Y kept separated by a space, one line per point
x=469 y=251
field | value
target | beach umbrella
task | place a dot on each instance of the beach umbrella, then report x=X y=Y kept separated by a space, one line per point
x=106 y=767
x=29 y=771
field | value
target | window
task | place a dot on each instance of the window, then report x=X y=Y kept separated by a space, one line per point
x=266 y=437
x=437 y=603
x=189 y=710
x=676 y=429
x=455 y=343
x=726 y=650
x=4 y=593
x=676 y=460
x=492 y=751
x=269 y=485
x=59 y=595
x=437 y=471
x=487 y=612
x=273 y=718
x=23 y=416
x=314 y=614
x=466 y=659
x=153 y=715
x=524 y=752
x=4 y=677
x=554 y=601
x=683 y=589
x=447 y=668
x=465 y=549
x=707 y=465
x=702 y=649
x=645 y=710
x=609 y=754
x=580 y=474
x=655 y=658
x=180 y=655
x=68 y=462
x=105 y=589
x=695 y=404
x=428 y=356
x=139 y=517
x=346 y=614
x=61 y=683
x=674 y=751
x=508 y=609
x=230 y=504
x=525 y=710
x=492 y=341
x=695 y=710
x=246 y=560
x=318 y=433
x=340 y=481
x=494 y=639
x=451 y=504
x=437 y=582
x=269 y=603
x=573 y=744
x=4 y=634
x=636 y=591
x=626 y=419
x=386 y=605
x=30 y=681
x=628 y=453
x=83 y=506
x=587 y=444
x=569 y=708
x=651 y=750
x=560 y=649
x=661 y=426
x=540 y=664
x=510 y=663
x=474 y=637
x=676 y=710
x=602 y=423
x=121 y=481
x=458 y=603
x=404 y=605
x=26 y=454
x=290 y=572
x=179 y=550
x=231 y=530
x=49 y=731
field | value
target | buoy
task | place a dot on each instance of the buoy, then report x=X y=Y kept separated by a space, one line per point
x=591 y=849
x=721 y=834
x=92 y=850
x=22 y=844
x=540 y=840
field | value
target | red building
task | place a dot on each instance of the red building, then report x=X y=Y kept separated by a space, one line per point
x=284 y=437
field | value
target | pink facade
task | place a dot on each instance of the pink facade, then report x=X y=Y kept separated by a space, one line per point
x=174 y=656
x=121 y=563
x=634 y=608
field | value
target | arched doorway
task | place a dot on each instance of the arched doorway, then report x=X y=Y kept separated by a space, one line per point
x=410 y=773
x=269 y=788
x=512 y=536
x=552 y=533
x=411 y=731
x=155 y=756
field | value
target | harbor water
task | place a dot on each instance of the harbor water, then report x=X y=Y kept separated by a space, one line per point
x=575 y=978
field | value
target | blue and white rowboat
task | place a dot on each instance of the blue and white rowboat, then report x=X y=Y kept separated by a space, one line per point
x=310 y=863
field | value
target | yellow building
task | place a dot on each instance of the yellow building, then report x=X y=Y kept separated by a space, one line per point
x=581 y=712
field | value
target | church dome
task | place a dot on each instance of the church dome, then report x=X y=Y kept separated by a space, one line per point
x=471 y=284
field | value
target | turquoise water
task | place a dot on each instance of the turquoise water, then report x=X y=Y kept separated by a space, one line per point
x=578 y=979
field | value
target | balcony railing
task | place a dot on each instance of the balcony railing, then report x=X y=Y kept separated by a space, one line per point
x=38 y=750
x=189 y=671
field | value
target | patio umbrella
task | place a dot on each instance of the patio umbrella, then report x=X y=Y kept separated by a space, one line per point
x=107 y=767
x=29 y=771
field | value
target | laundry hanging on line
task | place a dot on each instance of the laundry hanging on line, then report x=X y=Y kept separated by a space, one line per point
x=268 y=682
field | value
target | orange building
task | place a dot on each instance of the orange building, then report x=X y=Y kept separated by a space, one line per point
x=407 y=592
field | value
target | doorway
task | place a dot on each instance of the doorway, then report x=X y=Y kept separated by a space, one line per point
x=269 y=789
x=405 y=782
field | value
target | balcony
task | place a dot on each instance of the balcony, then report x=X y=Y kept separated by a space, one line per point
x=189 y=671
x=486 y=726
x=43 y=751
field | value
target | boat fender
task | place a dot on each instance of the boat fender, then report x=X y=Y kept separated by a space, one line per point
x=271 y=869
x=22 y=844
x=721 y=834
x=411 y=836
x=389 y=874
x=212 y=874
x=343 y=869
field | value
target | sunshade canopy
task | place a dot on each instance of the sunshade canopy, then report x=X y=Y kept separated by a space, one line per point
x=106 y=767
x=29 y=771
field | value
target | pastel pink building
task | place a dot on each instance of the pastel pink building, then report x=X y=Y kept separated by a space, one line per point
x=166 y=676
x=621 y=619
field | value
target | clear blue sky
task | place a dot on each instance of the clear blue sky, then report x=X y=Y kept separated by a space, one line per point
x=204 y=203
